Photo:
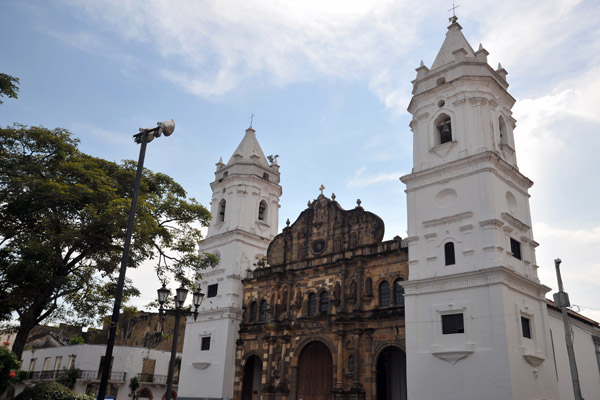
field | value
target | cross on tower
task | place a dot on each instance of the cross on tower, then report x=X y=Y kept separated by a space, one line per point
x=453 y=18
x=321 y=189
x=251 y=118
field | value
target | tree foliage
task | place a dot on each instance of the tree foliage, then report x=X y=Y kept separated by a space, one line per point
x=9 y=365
x=64 y=216
x=8 y=86
x=50 y=391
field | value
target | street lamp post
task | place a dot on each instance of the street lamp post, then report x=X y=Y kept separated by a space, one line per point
x=144 y=136
x=181 y=294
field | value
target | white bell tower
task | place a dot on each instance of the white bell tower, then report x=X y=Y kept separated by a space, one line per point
x=476 y=319
x=245 y=211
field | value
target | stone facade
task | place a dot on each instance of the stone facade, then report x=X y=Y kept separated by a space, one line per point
x=331 y=280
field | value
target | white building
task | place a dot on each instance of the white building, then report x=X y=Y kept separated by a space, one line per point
x=245 y=209
x=586 y=344
x=476 y=314
x=149 y=366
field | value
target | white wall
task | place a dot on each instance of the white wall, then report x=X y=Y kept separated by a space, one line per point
x=585 y=355
x=126 y=359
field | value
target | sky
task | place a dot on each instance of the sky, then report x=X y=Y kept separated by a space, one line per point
x=329 y=83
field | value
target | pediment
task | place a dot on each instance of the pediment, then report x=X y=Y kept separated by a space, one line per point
x=325 y=228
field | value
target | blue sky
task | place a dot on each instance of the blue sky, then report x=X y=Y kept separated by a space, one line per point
x=329 y=83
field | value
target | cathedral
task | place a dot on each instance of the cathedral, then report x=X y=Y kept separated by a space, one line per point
x=326 y=309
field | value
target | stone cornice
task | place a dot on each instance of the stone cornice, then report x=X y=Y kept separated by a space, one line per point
x=476 y=163
x=515 y=222
x=485 y=277
x=233 y=235
x=447 y=220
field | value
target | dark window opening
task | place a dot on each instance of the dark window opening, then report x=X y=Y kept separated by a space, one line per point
x=212 y=290
x=351 y=364
x=222 y=205
x=385 y=297
x=324 y=302
x=312 y=304
x=253 y=311
x=515 y=248
x=452 y=323
x=205 y=345
x=263 y=310
x=265 y=176
x=526 y=327
x=443 y=124
x=449 y=253
x=262 y=208
x=398 y=292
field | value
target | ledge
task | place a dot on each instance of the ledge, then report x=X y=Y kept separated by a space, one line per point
x=452 y=356
x=532 y=360
x=201 y=365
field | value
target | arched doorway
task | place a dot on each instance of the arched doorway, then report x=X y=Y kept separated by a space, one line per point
x=251 y=384
x=315 y=372
x=391 y=374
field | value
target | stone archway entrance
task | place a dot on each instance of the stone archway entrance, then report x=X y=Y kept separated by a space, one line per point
x=315 y=372
x=251 y=385
x=391 y=374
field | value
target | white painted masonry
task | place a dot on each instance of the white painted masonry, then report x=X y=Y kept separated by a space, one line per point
x=127 y=363
x=466 y=192
x=245 y=210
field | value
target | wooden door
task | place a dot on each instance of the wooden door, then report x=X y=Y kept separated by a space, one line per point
x=315 y=373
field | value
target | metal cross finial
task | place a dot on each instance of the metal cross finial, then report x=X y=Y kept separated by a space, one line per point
x=321 y=189
x=453 y=18
x=251 y=118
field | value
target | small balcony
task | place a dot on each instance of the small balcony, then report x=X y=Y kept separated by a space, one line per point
x=95 y=375
x=156 y=379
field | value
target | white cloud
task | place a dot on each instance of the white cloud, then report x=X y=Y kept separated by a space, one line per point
x=575 y=247
x=361 y=179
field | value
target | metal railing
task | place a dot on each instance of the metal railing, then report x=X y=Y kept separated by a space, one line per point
x=157 y=379
x=95 y=375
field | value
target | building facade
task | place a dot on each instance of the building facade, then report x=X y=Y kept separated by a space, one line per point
x=245 y=209
x=324 y=318
x=148 y=366
x=475 y=309
x=142 y=351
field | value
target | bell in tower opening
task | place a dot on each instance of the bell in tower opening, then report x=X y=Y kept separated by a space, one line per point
x=445 y=130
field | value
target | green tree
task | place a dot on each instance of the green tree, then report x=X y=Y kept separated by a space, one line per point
x=8 y=86
x=64 y=216
x=50 y=391
x=9 y=365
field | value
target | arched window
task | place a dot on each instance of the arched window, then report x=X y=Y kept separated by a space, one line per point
x=352 y=293
x=312 y=304
x=263 y=310
x=369 y=287
x=222 y=210
x=262 y=211
x=443 y=127
x=253 y=310
x=398 y=292
x=324 y=302
x=384 y=294
x=449 y=253
x=502 y=129
x=351 y=364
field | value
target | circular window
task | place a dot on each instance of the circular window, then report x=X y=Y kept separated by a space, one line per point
x=318 y=246
x=441 y=103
